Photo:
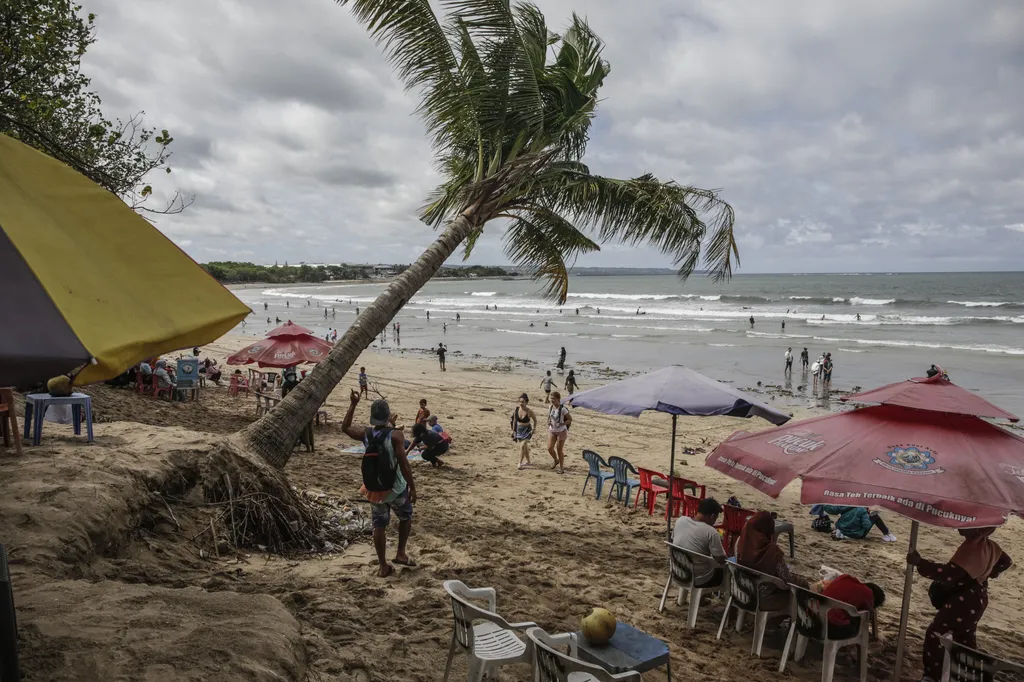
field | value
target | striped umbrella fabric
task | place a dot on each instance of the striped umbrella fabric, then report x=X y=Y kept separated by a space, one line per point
x=84 y=280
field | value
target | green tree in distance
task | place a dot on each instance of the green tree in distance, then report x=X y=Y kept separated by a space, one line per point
x=45 y=102
x=508 y=106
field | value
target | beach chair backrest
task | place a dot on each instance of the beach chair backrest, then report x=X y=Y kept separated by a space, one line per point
x=622 y=469
x=647 y=477
x=812 y=613
x=552 y=664
x=681 y=485
x=743 y=587
x=734 y=518
x=963 y=664
x=690 y=505
x=680 y=564
x=595 y=461
x=188 y=371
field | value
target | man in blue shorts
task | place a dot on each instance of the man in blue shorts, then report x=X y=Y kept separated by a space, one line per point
x=402 y=495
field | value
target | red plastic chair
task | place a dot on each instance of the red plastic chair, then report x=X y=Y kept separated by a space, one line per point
x=140 y=382
x=679 y=487
x=158 y=389
x=238 y=383
x=649 y=488
x=690 y=505
x=733 y=520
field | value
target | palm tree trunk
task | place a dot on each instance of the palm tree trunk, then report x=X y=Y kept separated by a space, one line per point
x=274 y=436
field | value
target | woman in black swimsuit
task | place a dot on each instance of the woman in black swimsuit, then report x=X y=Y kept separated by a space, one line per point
x=524 y=423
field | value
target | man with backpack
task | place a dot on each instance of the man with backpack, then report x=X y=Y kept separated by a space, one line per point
x=387 y=478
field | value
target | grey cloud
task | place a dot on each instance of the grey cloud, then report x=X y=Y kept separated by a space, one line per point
x=869 y=135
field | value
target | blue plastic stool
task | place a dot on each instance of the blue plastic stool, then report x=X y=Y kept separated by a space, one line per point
x=595 y=461
x=35 y=410
x=622 y=482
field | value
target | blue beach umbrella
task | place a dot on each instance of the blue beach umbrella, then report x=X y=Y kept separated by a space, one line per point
x=678 y=391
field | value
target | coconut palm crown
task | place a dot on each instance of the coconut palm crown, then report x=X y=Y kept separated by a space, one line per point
x=508 y=105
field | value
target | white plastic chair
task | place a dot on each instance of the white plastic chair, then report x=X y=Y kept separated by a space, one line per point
x=681 y=572
x=744 y=595
x=552 y=665
x=810 y=621
x=489 y=644
x=964 y=664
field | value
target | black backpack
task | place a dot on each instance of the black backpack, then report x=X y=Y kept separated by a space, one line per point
x=379 y=467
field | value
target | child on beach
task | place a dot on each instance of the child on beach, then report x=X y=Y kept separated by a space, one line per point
x=423 y=413
x=363 y=382
x=546 y=383
x=570 y=383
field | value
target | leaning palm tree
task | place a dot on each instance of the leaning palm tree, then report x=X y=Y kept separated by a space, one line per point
x=508 y=105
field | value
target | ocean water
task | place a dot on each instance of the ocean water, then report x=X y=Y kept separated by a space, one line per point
x=971 y=324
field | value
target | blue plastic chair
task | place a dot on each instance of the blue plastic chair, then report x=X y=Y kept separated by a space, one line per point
x=187 y=375
x=622 y=483
x=596 y=462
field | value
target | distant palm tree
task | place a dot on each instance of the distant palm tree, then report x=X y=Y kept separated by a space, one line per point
x=509 y=126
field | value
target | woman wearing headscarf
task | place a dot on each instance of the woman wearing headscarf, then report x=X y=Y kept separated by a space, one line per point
x=959 y=592
x=756 y=549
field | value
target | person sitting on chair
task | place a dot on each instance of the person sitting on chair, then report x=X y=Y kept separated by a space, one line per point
x=756 y=549
x=165 y=380
x=699 y=535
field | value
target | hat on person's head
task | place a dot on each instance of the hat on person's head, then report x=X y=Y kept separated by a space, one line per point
x=380 y=413
x=161 y=363
x=432 y=419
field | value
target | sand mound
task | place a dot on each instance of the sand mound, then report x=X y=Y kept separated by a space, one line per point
x=78 y=631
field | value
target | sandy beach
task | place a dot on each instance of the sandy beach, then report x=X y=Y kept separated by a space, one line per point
x=117 y=578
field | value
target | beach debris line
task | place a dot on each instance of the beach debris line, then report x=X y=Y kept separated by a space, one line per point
x=258 y=509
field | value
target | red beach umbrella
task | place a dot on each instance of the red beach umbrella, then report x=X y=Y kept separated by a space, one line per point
x=290 y=344
x=944 y=469
x=937 y=394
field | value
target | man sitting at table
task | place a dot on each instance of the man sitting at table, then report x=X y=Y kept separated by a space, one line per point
x=699 y=535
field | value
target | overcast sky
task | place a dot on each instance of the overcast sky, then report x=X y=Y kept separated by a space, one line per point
x=849 y=136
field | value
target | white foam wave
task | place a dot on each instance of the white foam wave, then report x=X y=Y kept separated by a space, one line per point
x=520 y=331
x=800 y=298
x=838 y=299
x=857 y=300
x=710 y=298
x=1005 y=350
x=980 y=304
x=626 y=297
x=483 y=293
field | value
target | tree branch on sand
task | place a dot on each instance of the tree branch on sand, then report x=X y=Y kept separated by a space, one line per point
x=508 y=105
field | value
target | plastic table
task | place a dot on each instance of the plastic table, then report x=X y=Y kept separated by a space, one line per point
x=35 y=409
x=629 y=649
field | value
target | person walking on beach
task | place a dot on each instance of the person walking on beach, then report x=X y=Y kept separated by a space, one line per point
x=387 y=479
x=561 y=358
x=428 y=314
x=804 y=357
x=751 y=321
x=783 y=325
x=264 y=305
x=458 y=317
x=570 y=383
x=524 y=423
x=545 y=383
x=559 y=421
x=363 y=382
x=816 y=370
x=789 y=360
x=441 y=350
x=445 y=327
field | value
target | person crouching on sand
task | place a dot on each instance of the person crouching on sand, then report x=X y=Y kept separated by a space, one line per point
x=559 y=421
x=524 y=423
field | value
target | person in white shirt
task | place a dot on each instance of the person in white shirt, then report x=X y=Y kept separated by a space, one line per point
x=789 y=360
x=699 y=535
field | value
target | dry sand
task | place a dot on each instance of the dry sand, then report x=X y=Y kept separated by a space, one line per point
x=116 y=579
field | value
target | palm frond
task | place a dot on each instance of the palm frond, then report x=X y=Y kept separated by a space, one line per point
x=541 y=240
x=417 y=46
x=666 y=215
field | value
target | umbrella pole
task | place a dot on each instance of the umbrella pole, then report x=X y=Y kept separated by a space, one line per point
x=908 y=584
x=671 y=477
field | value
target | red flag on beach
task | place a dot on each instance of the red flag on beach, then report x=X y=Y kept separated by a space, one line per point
x=290 y=344
x=938 y=468
x=937 y=394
